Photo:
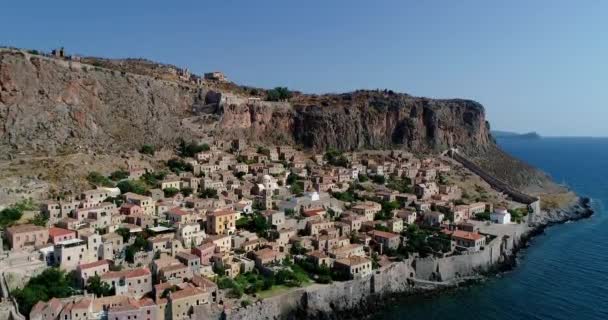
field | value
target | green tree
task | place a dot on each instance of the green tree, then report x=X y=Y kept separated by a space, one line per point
x=39 y=220
x=99 y=288
x=189 y=149
x=134 y=186
x=186 y=191
x=125 y=233
x=208 y=193
x=402 y=185
x=297 y=188
x=170 y=192
x=51 y=283
x=9 y=216
x=278 y=94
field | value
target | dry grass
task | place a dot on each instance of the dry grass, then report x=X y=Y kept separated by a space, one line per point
x=557 y=200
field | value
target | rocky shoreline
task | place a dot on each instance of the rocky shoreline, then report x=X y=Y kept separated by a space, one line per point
x=581 y=209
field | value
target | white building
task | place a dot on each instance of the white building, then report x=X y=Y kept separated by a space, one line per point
x=501 y=216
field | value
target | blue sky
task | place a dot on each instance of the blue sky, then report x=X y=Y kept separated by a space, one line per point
x=534 y=65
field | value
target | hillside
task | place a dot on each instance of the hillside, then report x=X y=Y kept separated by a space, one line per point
x=51 y=106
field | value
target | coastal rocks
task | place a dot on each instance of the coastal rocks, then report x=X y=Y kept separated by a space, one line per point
x=580 y=209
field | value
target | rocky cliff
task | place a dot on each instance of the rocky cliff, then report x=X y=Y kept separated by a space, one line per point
x=50 y=106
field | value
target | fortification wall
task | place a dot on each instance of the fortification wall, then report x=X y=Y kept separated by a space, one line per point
x=494 y=182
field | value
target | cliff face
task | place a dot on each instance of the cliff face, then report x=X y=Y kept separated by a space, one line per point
x=383 y=120
x=47 y=105
x=50 y=106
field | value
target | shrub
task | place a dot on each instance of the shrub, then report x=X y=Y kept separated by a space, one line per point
x=146 y=148
x=119 y=175
x=97 y=179
x=278 y=94
x=378 y=179
x=336 y=158
x=189 y=149
x=178 y=165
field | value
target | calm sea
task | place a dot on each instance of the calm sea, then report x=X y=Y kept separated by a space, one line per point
x=564 y=273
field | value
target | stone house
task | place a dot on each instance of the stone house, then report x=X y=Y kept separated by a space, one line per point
x=354 y=267
x=425 y=191
x=87 y=270
x=386 y=240
x=190 y=260
x=70 y=253
x=315 y=227
x=26 y=235
x=145 y=202
x=368 y=209
x=175 y=273
x=470 y=241
x=182 y=302
x=221 y=222
x=433 y=218
x=134 y=283
x=59 y=234
x=267 y=256
x=204 y=252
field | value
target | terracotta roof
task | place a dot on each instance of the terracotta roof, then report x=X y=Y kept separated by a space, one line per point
x=139 y=272
x=55 y=232
x=221 y=213
x=383 y=234
x=173 y=267
x=132 y=195
x=312 y=212
x=93 y=264
x=207 y=245
x=466 y=235
x=188 y=292
x=186 y=255
x=178 y=211
x=203 y=282
x=82 y=304
x=317 y=254
x=25 y=228
x=353 y=261
x=266 y=253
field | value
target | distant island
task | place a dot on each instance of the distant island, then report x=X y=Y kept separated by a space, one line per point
x=515 y=135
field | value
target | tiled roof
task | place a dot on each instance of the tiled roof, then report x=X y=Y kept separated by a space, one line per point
x=55 y=232
x=93 y=264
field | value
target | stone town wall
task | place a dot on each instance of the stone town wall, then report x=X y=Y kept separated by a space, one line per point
x=494 y=182
x=409 y=276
